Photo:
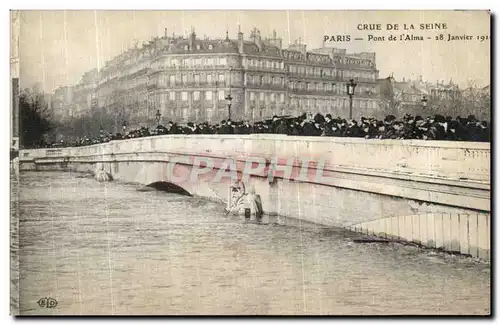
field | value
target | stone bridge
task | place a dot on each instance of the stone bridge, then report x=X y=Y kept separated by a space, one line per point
x=434 y=193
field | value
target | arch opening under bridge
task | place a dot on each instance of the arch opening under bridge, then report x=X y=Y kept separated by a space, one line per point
x=169 y=187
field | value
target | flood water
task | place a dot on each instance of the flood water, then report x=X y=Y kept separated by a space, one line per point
x=107 y=248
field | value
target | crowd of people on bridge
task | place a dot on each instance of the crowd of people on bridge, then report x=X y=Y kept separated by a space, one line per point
x=435 y=127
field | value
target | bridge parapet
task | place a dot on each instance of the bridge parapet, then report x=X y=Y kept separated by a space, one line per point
x=444 y=172
x=439 y=159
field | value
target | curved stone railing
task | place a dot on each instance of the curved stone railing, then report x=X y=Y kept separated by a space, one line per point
x=464 y=233
x=442 y=172
x=437 y=159
x=393 y=177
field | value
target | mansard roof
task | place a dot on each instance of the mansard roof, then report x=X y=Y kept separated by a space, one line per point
x=347 y=62
x=309 y=57
x=187 y=46
x=250 y=47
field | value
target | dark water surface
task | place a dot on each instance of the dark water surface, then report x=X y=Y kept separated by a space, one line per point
x=110 y=249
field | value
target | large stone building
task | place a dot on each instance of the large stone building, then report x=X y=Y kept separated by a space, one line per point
x=189 y=79
x=406 y=95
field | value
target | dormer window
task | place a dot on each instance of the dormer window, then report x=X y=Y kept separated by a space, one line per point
x=210 y=47
x=198 y=46
x=186 y=47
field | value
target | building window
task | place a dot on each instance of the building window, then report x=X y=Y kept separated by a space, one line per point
x=252 y=95
x=282 y=98
x=172 y=95
x=223 y=61
x=198 y=46
x=198 y=61
x=261 y=96
x=196 y=95
x=210 y=47
x=184 y=79
x=197 y=78
x=209 y=78
x=184 y=95
x=282 y=82
x=273 y=97
x=172 y=80
x=210 y=61
x=221 y=77
x=208 y=95
x=186 y=47
x=221 y=95
x=261 y=80
x=273 y=80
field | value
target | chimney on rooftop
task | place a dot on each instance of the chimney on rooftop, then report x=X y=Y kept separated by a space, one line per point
x=192 y=38
x=255 y=36
x=240 y=40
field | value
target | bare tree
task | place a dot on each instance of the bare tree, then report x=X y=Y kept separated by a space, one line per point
x=472 y=100
x=36 y=118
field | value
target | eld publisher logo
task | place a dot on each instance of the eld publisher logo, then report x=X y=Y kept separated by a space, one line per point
x=47 y=302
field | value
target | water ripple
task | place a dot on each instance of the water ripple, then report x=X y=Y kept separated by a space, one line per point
x=110 y=249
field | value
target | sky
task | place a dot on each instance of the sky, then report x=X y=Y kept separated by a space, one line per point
x=57 y=47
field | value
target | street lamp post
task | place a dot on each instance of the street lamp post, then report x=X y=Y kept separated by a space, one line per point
x=424 y=102
x=124 y=127
x=158 y=117
x=229 y=98
x=351 y=85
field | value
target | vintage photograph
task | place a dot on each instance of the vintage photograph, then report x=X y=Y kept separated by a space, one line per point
x=251 y=162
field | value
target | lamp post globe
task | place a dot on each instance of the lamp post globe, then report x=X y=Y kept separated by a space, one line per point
x=229 y=99
x=350 y=87
x=424 y=101
x=158 y=117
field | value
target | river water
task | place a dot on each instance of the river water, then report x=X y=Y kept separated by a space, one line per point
x=107 y=248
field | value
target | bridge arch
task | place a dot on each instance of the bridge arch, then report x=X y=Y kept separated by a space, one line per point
x=169 y=187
